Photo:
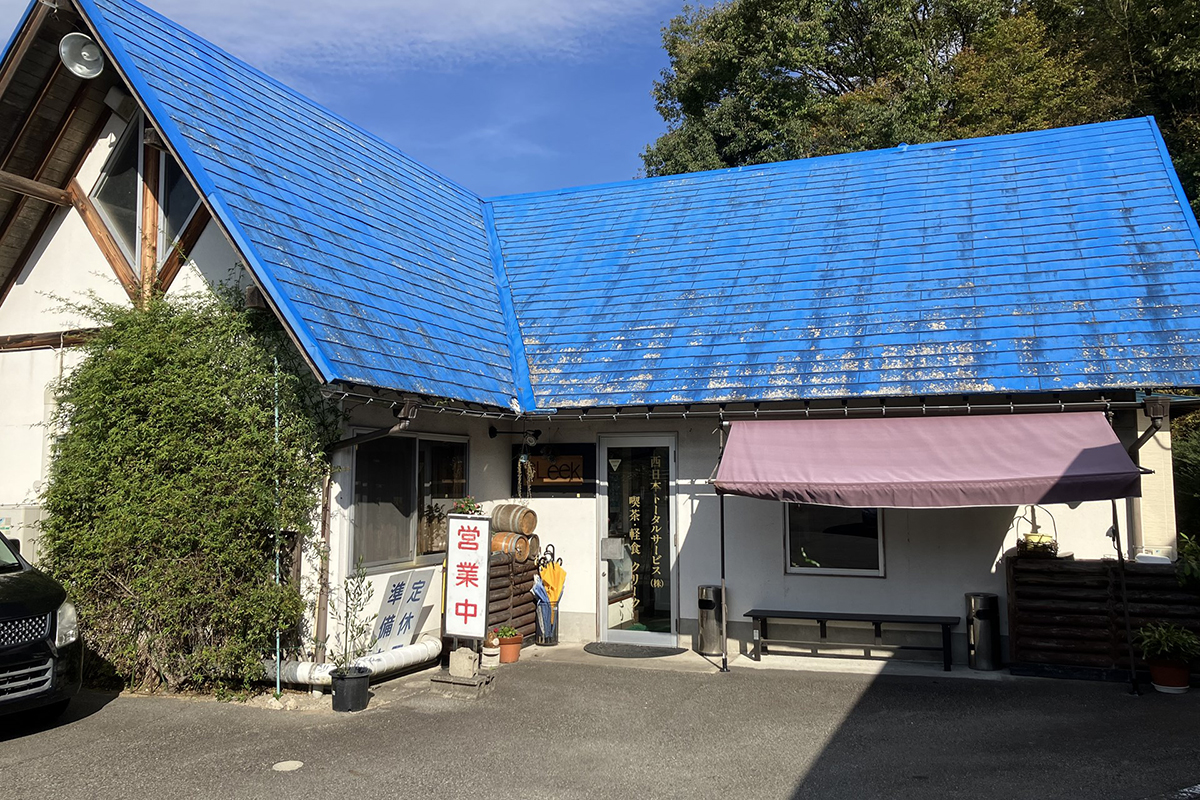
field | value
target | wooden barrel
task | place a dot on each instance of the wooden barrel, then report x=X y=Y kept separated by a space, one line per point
x=513 y=543
x=535 y=546
x=514 y=518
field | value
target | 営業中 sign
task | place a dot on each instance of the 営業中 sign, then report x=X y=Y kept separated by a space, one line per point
x=467 y=548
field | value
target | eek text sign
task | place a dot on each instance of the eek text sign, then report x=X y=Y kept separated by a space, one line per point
x=467 y=549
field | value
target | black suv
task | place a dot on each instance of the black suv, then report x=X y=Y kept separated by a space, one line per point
x=40 y=652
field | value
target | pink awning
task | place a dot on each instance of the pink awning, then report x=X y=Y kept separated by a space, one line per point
x=929 y=462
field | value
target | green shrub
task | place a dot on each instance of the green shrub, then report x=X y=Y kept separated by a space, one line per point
x=167 y=486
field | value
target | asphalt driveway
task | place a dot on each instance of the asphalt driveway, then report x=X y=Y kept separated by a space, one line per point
x=601 y=728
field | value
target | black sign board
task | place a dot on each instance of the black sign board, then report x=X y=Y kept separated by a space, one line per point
x=554 y=470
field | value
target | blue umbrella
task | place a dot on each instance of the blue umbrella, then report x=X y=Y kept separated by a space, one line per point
x=545 y=611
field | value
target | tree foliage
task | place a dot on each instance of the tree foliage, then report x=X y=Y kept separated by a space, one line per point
x=754 y=81
x=167 y=486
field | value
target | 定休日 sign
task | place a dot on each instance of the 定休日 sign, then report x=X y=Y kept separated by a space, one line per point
x=405 y=596
x=467 y=547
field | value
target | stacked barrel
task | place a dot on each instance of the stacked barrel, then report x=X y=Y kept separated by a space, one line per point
x=512 y=532
x=511 y=568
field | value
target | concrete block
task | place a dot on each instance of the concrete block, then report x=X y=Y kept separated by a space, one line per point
x=464 y=663
x=463 y=688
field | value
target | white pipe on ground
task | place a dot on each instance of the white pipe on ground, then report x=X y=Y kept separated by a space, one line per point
x=310 y=673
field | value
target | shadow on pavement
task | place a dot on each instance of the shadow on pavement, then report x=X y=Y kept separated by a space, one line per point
x=26 y=723
x=933 y=738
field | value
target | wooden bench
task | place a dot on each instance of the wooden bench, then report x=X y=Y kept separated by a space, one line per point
x=760 y=616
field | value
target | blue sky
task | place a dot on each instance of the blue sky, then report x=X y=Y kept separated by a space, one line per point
x=501 y=96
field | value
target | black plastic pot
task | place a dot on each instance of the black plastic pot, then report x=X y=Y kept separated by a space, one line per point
x=351 y=688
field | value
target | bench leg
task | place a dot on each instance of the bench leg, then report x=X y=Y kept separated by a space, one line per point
x=946 y=648
x=762 y=638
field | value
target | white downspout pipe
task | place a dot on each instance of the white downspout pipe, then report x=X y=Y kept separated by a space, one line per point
x=309 y=673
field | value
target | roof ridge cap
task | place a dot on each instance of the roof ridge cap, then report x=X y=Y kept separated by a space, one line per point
x=522 y=380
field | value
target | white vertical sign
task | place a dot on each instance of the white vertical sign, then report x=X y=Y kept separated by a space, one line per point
x=467 y=550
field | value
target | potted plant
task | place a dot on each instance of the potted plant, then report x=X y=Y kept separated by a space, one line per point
x=351 y=683
x=467 y=505
x=510 y=644
x=1168 y=650
x=491 y=650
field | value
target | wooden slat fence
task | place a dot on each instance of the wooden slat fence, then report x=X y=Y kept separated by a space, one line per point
x=510 y=594
x=1067 y=617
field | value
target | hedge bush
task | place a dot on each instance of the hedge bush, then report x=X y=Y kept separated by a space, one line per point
x=167 y=486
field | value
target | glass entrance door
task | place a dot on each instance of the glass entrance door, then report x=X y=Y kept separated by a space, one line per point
x=637 y=546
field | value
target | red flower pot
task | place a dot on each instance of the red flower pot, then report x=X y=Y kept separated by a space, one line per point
x=510 y=648
x=1171 y=677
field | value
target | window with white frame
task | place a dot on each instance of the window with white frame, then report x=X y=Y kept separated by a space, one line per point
x=403 y=488
x=177 y=200
x=118 y=192
x=834 y=541
x=118 y=195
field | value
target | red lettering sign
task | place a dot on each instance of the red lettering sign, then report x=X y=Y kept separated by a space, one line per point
x=466 y=575
x=466 y=609
x=468 y=538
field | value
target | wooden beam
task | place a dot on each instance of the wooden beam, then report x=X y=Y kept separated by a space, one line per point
x=24 y=41
x=150 y=213
x=108 y=245
x=43 y=341
x=183 y=248
x=89 y=142
x=31 y=188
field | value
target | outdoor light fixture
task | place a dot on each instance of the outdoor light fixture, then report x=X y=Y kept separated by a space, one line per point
x=81 y=55
x=406 y=414
x=530 y=437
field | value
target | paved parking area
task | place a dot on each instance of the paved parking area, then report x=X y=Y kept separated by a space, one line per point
x=571 y=725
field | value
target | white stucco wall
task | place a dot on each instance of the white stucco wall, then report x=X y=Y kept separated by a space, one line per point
x=212 y=262
x=1158 y=529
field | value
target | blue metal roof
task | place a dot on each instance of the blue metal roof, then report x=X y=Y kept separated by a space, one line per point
x=1055 y=260
x=1046 y=261
x=370 y=256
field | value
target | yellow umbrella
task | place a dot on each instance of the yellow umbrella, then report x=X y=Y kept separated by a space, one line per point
x=553 y=578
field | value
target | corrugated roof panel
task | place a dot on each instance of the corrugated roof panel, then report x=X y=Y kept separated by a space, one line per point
x=1044 y=261
x=370 y=254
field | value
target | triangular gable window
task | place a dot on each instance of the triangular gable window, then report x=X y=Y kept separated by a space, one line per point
x=117 y=194
x=179 y=202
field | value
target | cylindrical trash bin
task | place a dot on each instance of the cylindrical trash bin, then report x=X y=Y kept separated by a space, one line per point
x=708 y=643
x=547 y=624
x=983 y=631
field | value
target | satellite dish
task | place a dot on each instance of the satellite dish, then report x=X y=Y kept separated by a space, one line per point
x=80 y=54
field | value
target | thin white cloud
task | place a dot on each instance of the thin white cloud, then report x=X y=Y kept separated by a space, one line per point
x=298 y=36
